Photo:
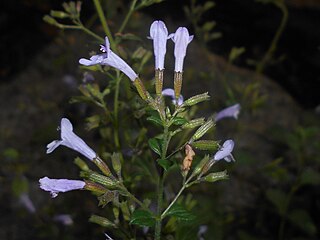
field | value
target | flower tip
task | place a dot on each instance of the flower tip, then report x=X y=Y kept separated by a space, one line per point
x=85 y=62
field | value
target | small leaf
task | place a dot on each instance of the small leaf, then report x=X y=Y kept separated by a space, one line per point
x=180 y=213
x=142 y=218
x=179 y=121
x=154 y=145
x=278 y=198
x=166 y=164
x=155 y=120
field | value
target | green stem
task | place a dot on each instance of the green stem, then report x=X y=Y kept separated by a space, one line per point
x=184 y=186
x=272 y=48
x=166 y=139
x=125 y=21
x=104 y=23
x=116 y=112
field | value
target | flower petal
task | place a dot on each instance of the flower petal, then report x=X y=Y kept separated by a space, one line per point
x=232 y=111
x=53 y=145
x=55 y=186
x=170 y=93
x=225 y=151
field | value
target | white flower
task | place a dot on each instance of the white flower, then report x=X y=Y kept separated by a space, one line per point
x=109 y=58
x=181 y=39
x=225 y=152
x=71 y=140
x=159 y=35
x=232 y=111
x=55 y=186
x=170 y=93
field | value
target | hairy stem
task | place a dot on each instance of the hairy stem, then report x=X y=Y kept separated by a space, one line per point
x=272 y=48
x=125 y=21
x=104 y=23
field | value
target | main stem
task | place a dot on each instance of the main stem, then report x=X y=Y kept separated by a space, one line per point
x=125 y=21
x=157 y=233
x=104 y=23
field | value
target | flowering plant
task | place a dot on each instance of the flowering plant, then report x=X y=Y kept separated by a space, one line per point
x=193 y=157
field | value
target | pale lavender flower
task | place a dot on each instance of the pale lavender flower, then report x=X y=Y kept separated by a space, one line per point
x=64 y=219
x=27 y=203
x=232 y=111
x=55 y=186
x=170 y=93
x=109 y=58
x=71 y=140
x=159 y=35
x=181 y=39
x=225 y=152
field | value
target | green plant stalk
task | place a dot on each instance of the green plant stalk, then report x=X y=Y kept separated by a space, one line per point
x=166 y=138
x=125 y=21
x=184 y=186
x=272 y=48
x=116 y=112
x=104 y=23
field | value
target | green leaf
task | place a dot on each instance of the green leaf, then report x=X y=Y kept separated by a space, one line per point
x=278 y=198
x=166 y=164
x=155 y=119
x=180 y=213
x=179 y=121
x=302 y=219
x=142 y=218
x=154 y=145
x=310 y=176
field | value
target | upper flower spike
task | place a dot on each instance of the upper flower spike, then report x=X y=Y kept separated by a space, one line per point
x=109 y=58
x=71 y=140
x=55 y=186
x=181 y=39
x=232 y=111
x=225 y=152
x=159 y=35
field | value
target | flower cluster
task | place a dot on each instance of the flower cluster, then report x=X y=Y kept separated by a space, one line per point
x=109 y=185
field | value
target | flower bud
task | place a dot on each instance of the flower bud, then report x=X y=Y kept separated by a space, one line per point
x=206 y=145
x=102 y=166
x=98 y=178
x=140 y=88
x=196 y=99
x=193 y=123
x=213 y=177
x=116 y=163
x=200 y=165
x=94 y=187
x=58 y=14
x=102 y=221
x=203 y=129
